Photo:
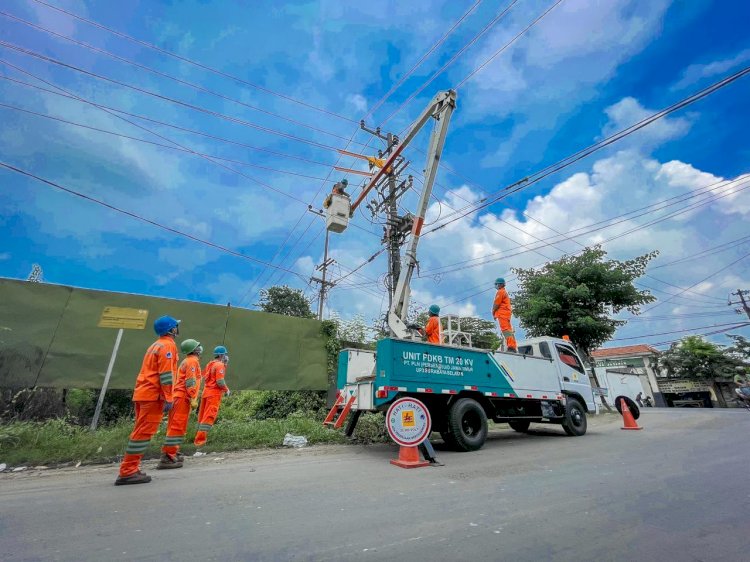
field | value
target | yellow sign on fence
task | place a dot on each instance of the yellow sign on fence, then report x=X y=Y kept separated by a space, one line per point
x=128 y=318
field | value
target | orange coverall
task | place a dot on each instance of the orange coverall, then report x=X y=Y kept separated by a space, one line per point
x=433 y=331
x=215 y=387
x=153 y=388
x=186 y=387
x=502 y=311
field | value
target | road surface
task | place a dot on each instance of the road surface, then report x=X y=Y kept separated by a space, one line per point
x=678 y=490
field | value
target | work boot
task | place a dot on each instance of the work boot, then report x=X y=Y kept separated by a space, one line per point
x=180 y=457
x=137 y=478
x=167 y=461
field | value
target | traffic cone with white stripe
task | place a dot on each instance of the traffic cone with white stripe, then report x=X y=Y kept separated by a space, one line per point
x=627 y=418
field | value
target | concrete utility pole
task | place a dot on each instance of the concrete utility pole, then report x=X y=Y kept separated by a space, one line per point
x=390 y=190
x=745 y=305
x=323 y=268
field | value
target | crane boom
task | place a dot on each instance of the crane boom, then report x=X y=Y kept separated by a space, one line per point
x=440 y=108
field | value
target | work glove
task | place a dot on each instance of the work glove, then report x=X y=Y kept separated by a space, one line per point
x=227 y=393
x=167 y=406
x=194 y=403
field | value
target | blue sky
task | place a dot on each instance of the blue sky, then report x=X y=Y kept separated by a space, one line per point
x=586 y=70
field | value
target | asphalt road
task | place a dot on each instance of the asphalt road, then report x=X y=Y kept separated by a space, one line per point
x=678 y=490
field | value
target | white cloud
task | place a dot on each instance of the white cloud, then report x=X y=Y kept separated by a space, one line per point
x=628 y=111
x=696 y=72
x=358 y=102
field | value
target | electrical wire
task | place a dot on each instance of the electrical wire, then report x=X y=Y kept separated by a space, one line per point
x=218 y=115
x=675 y=331
x=194 y=63
x=173 y=126
x=141 y=218
x=528 y=181
x=168 y=76
x=145 y=141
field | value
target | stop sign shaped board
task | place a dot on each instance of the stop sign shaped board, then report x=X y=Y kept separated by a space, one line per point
x=408 y=422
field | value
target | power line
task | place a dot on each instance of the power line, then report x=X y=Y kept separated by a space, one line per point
x=424 y=57
x=142 y=218
x=708 y=200
x=218 y=115
x=699 y=282
x=722 y=331
x=194 y=63
x=208 y=158
x=500 y=51
x=674 y=331
x=526 y=182
x=442 y=69
x=145 y=141
x=173 y=126
x=168 y=76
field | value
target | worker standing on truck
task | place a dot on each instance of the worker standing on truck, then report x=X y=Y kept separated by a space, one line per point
x=501 y=310
x=432 y=329
x=185 y=398
x=152 y=398
x=339 y=188
x=214 y=388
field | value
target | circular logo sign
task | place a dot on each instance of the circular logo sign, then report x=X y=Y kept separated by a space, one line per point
x=408 y=421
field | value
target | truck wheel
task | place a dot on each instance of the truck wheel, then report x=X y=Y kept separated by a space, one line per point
x=449 y=440
x=468 y=424
x=521 y=426
x=575 y=418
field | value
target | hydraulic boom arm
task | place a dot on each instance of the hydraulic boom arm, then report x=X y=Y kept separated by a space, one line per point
x=441 y=108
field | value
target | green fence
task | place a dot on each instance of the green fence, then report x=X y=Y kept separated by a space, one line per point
x=49 y=337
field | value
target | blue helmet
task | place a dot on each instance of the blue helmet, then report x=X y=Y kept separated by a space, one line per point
x=220 y=350
x=164 y=324
x=434 y=309
x=499 y=281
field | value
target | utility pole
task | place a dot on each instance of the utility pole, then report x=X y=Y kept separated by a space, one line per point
x=323 y=268
x=36 y=275
x=390 y=190
x=745 y=305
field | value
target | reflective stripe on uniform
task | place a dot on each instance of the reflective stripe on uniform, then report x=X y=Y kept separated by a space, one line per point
x=508 y=333
x=220 y=382
x=190 y=383
x=204 y=426
x=137 y=446
x=174 y=440
x=166 y=378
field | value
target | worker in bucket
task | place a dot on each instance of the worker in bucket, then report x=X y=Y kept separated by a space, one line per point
x=339 y=188
x=501 y=310
x=214 y=389
x=185 y=398
x=433 y=329
x=152 y=398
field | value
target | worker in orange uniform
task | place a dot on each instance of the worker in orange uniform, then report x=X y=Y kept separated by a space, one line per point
x=152 y=398
x=501 y=310
x=339 y=188
x=214 y=388
x=433 y=329
x=185 y=397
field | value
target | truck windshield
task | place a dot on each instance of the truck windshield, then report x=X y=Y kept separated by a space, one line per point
x=569 y=357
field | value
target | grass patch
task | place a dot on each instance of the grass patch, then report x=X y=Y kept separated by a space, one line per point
x=54 y=442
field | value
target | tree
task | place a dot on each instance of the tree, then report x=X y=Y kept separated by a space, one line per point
x=577 y=296
x=694 y=357
x=741 y=349
x=285 y=300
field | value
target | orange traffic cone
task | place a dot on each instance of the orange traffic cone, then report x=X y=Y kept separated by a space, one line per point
x=627 y=417
x=408 y=457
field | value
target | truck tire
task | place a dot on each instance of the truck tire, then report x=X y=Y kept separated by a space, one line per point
x=575 y=418
x=449 y=440
x=521 y=426
x=468 y=424
x=632 y=406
